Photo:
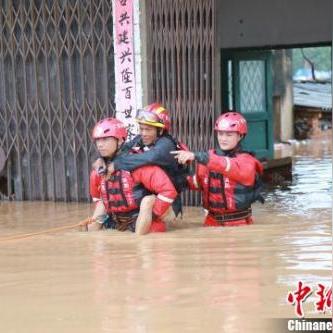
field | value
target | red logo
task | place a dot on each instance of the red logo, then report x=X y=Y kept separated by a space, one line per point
x=299 y=296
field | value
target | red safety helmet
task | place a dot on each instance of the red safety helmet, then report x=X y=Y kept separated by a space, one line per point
x=231 y=122
x=154 y=115
x=109 y=127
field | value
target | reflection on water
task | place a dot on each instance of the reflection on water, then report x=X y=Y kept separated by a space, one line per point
x=311 y=187
x=191 y=279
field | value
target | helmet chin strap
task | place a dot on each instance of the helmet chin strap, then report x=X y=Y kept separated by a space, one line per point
x=120 y=142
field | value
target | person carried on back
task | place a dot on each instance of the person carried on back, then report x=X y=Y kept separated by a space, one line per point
x=120 y=195
x=151 y=147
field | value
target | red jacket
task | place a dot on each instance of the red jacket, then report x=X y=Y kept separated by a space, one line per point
x=152 y=178
x=227 y=183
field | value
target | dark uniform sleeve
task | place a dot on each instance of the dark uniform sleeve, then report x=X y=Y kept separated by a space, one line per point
x=159 y=154
x=201 y=157
x=127 y=146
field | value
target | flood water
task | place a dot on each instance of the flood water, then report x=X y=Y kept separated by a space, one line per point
x=191 y=279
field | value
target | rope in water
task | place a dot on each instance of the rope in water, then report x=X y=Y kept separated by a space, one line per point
x=83 y=223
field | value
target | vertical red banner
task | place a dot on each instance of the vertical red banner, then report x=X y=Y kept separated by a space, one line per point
x=124 y=64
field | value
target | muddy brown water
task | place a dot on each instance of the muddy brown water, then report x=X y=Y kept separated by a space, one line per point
x=191 y=279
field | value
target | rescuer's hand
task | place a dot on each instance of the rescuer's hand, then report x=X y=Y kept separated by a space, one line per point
x=183 y=156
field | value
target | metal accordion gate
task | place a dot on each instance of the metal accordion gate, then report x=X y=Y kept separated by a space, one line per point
x=180 y=36
x=56 y=81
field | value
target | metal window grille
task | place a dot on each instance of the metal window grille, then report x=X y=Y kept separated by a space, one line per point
x=181 y=66
x=56 y=81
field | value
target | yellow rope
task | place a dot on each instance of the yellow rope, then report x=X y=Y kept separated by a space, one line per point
x=83 y=223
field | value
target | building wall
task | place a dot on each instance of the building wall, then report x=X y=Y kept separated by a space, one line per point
x=270 y=23
x=273 y=24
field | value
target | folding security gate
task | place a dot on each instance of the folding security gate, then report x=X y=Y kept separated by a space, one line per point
x=56 y=81
x=181 y=66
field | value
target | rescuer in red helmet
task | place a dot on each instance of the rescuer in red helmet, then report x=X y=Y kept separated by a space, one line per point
x=124 y=198
x=228 y=177
x=151 y=147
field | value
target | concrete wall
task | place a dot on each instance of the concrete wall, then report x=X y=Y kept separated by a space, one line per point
x=270 y=23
